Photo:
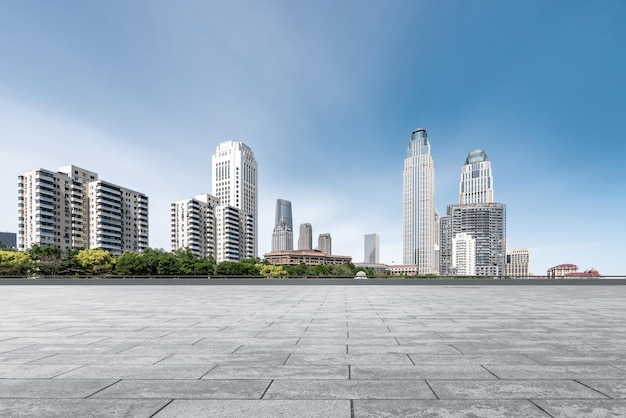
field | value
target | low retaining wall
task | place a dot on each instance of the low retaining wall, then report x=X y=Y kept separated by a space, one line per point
x=313 y=282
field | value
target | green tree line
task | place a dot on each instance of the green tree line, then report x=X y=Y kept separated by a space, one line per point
x=47 y=260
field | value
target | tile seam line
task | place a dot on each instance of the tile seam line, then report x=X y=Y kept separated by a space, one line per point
x=589 y=387
x=540 y=408
x=161 y=408
x=100 y=390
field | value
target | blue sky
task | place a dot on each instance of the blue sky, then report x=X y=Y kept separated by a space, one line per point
x=326 y=93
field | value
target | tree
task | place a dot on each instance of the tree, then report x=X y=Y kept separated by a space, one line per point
x=272 y=270
x=234 y=268
x=95 y=261
x=14 y=263
x=131 y=264
x=47 y=259
x=69 y=265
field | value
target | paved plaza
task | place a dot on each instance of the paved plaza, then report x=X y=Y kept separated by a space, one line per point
x=312 y=351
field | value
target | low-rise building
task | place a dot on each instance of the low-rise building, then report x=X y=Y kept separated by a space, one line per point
x=308 y=257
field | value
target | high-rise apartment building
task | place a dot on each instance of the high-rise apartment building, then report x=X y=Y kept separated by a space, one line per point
x=518 y=262
x=194 y=225
x=72 y=208
x=486 y=223
x=324 y=243
x=282 y=236
x=305 y=240
x=464 y=254
x=231 y=237
x=372 y=248
x=419 y=205
x=235 y=184
x=476 y=185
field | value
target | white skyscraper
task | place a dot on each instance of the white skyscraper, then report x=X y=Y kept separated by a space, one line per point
x=235 y=184
x=193 y=223
x=476 y=184
x=464 y=254
x=72 y=208
x=419 y=233
x=305 y=240
x=372 y=248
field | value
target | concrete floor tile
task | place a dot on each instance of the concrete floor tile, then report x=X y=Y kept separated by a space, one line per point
x=448 y=409
x=556 y=372
x=418 y=372
x=244 y=371
x=50 y=388
x=33 y=371
x=583 y=408
x=185 y=389
x=93 y=408
x=156 y=371
x=349 y=389
x=512 y=389
x=257 y=409
x=321 y=358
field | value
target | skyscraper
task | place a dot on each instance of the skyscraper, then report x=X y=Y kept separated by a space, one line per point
x=419 y=205
x=476 y=184
x=193 y=223
x=305 y=240
x=235 y=184
x=282 y=236
x=372 y=245
x=72 y=208
x=324 y=243
x=486 y=223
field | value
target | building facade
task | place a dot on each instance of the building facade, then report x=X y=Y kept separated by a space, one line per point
x=486 y=223
x=464 y=254
x=194 y=225
x=476 y=185
x=235 y=185
x=325 y=244
x=518 y=263
x=419 y=205
x=231 y=236
x=282 y=235
x=72 y=208
x=305 y=240
x=8 y=240
x=372 y=248
x=308 y=257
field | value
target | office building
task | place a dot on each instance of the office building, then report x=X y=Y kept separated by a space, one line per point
x=308 y=257
x=476 y=185
x=464 y=254
x=486 y=223
x=234 y=181
x=305 y=240
x=8 y=240
x=518 y=263
x=419 y=205
x=282 y=235
x=73 y=208
x=372 y=246
x=194 y=225
x=324 y=243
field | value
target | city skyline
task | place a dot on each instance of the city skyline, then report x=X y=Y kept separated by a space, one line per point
x=142 y=93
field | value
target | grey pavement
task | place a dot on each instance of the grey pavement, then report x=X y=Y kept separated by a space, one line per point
x=312 y=351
